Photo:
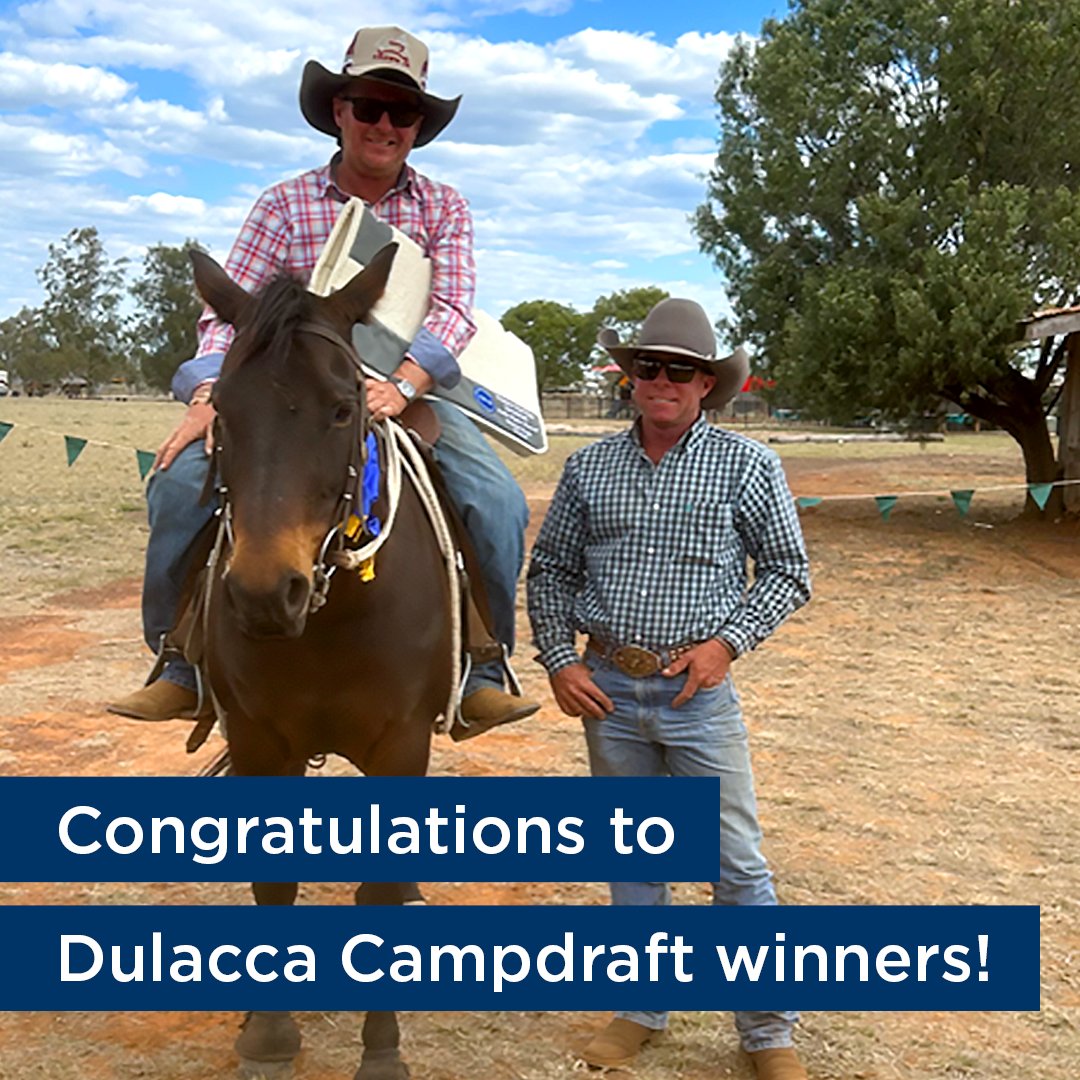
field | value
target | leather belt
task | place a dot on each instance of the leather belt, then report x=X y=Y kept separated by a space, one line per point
x=635 y=661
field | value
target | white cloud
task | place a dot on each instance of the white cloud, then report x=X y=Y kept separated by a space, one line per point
x=25 y=83
x=29 y=151
x=521 y=94
x=533 y=7
x=582 y=158
x=688 y=67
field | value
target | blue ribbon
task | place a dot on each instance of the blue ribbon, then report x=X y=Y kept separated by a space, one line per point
x=369 y=484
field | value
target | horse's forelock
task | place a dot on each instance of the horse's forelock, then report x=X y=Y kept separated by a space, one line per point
x=281 y=306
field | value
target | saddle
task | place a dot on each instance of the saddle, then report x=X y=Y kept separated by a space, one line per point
x=187 y=638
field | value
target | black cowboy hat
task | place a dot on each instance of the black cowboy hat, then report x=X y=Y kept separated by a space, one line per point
x=681 y=328
x=385 y=54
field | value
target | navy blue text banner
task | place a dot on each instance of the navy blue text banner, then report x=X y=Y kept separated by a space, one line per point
x=361 y=829
x=483 y=958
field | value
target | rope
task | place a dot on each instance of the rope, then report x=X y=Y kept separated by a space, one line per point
x=403 y=457
x=910 y=494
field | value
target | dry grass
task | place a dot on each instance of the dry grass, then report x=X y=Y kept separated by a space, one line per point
x=914 y=731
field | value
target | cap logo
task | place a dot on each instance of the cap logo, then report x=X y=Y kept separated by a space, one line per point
x=392 y=51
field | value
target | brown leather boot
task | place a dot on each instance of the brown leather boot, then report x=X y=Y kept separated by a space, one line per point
x=781 y=1063
x=618 y=1044
x=161 y=700
x=489 y=707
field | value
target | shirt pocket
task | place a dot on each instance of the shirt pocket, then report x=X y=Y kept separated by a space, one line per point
x=707 y=535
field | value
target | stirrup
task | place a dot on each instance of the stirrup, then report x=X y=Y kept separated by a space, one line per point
x=508 y=671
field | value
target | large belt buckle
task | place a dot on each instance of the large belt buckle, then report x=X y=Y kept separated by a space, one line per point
x=636 y=662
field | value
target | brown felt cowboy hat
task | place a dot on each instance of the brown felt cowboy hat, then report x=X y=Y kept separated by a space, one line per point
x=385 y=54
x=681 y=328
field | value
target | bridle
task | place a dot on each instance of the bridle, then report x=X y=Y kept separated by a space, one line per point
x=333 y=544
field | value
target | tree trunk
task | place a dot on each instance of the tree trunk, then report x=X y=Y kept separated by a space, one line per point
x=1017 y=408
x=1040 y=465
x=1069 y=428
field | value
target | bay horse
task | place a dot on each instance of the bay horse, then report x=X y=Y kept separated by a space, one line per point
x=366 y=674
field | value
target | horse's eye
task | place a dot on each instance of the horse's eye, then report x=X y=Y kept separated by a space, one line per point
x=343 y=414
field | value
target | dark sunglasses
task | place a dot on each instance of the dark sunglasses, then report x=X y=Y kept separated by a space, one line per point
x=369 y=110
x=677 y=371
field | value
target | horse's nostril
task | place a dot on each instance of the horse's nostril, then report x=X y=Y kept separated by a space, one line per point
x=296 y=592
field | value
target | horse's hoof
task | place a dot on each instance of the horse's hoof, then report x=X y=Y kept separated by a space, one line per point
x=382 y=1065
x=267 y=1041
x=264 y=1070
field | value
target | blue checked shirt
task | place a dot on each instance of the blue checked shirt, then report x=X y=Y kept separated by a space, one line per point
x=656 y=555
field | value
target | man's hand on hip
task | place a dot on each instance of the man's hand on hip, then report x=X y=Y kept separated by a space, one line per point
x=198 y=423
x=706 y=666
x=577 y=694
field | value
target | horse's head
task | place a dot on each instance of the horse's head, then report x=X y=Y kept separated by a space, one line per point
x=291 y=413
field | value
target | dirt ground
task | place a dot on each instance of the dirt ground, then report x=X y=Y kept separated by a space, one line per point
x=915 y=740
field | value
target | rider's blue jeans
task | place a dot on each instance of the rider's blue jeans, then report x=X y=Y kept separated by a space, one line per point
x=485 y=494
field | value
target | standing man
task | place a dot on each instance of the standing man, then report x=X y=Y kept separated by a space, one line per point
x=377 y=109
x=644 y=550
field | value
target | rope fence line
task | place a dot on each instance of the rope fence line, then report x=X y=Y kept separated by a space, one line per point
x=76 y=444
x=961 y=497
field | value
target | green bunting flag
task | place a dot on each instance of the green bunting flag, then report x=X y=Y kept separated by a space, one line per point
x=1040 y=493
x=804 y=501
x=5 y=429
x=74 y=447
x=962 y=499
x=885 y=504
x=146 y=462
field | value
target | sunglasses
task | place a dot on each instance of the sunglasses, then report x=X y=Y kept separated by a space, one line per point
x=677 y=371
x=369 y=110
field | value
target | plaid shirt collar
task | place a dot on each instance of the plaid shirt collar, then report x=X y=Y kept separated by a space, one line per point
x=690 y=438
x=405 y=185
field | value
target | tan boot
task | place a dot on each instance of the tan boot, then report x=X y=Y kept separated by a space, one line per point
x=161 y=700
x=781 y=1063
x=618 y=1044
x=489 y=707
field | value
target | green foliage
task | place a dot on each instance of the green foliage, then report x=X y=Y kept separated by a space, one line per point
x=623 y=312
x=896 y=186
x=558 y=337
x=80 y=321
x=162 y=333
x=23 y=351
x=563 y=340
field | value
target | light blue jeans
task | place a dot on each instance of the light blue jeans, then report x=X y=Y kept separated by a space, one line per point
x=485 y=494
x=646 y=736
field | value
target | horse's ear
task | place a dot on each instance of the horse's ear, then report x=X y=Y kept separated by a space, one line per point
x=353 y=302
x=228 y=299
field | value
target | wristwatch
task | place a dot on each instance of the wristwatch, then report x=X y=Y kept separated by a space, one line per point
x=405 y=388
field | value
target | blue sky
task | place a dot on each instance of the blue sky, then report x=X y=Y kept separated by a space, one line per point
x=582 y=141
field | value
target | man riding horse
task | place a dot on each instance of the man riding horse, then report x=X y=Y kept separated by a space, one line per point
x=378 y=109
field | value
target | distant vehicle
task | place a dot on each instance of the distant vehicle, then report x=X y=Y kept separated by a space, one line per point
x=5 y=385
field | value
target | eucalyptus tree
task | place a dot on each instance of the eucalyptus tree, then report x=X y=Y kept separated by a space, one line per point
x=896 y=187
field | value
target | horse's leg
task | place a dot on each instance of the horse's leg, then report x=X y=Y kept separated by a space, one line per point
x=382 y=1053
x=381 y=1036
x=406 y=754
x=269 y=1041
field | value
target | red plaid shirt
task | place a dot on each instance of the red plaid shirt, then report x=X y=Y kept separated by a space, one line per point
x=289 y=224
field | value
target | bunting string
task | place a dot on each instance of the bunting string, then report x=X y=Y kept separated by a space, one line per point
x=74 y=445
x=961 y=497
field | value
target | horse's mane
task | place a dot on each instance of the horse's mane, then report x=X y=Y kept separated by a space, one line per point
x=281 y=305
